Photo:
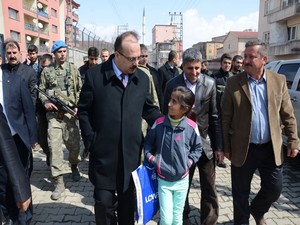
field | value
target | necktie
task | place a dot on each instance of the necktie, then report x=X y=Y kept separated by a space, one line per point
x=123 y=79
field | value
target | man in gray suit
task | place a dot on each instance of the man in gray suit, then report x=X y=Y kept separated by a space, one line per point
x=206 y=115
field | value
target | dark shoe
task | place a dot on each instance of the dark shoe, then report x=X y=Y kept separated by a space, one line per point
x=259 y=220
x=222 y=165
x=75 y=173
x=59 y=187
x=186 y=222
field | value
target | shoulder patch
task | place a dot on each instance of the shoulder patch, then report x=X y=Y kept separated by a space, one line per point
x=160 y=120
x=191 y=123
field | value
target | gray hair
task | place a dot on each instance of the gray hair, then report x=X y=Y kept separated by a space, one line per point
x=191 y=55
x=262 y=46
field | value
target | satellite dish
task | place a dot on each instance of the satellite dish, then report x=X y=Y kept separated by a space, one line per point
x=35 y=21
x=28 y=38
x=39 y=5
x=40 y=25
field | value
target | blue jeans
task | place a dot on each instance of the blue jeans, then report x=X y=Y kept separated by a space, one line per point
x=171 y=200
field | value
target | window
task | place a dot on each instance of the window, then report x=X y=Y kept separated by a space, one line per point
x=228 y=46
x=291 y=33
x=266 y=37
x=15 y=35
x=289 y=70
x=269 y=6
x=54 y=29
x=13 y=14
x=54 y=12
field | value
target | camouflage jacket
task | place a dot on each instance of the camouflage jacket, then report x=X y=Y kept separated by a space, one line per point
x=62 y=81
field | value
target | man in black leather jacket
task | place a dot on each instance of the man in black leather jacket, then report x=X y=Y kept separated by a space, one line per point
x=206 y=114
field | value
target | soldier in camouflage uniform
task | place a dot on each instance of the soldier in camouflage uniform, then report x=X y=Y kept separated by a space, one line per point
x=63 y=81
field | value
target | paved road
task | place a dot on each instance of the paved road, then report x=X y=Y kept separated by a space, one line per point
x=76 y=206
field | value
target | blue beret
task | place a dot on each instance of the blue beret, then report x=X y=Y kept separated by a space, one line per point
x=57 y=45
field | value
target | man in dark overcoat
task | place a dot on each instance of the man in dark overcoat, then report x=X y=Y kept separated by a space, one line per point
x=113 y=100
x=12 y=172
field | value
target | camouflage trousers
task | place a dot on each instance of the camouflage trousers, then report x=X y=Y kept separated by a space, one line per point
x=59 y=133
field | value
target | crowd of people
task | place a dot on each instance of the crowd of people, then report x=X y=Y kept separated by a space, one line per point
x=192 y=118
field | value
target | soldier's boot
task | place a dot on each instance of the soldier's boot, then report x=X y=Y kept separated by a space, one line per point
x=75 y=173
x=59 y=187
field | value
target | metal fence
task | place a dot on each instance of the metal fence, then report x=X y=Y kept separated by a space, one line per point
x=83 y=39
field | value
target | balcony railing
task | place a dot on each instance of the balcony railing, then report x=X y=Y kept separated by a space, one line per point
x=44 y=48
x=31 y=27
x=43 y=13
x=283 y=5
x=289 y=47
x=75 y=15
x=29 y=7
x=44 y=31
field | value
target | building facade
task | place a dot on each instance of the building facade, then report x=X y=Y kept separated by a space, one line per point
x=234 y=42
x=38 y=22
x=164 y=39
x=279 y=26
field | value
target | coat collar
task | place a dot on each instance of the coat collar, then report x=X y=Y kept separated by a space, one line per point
x=244 y=82
x=107 y=69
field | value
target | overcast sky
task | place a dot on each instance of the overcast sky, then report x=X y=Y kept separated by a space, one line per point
x=202 y=20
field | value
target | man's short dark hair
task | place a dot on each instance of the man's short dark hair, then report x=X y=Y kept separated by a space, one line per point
x=226 y=56
x=237 y=57
x=93 y=51
x=172 y=55
x=118 y=43
x=143 y=47
x=32 y=48
x=11 y=43
x=46 y=56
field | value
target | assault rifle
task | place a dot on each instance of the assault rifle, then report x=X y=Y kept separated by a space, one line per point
x=61 y=106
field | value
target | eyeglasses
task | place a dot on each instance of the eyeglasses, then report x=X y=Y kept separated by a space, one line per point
x=130 y=59
x=144 y=56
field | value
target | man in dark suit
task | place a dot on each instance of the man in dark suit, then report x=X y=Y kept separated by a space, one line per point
x=256 y=104
x=12 y=172
x=14 y=65
x=206 y=115
x=113 y=100
x=169 y=69
x=19 y=111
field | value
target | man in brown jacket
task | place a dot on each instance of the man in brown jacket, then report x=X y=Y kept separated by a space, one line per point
x=255 y=104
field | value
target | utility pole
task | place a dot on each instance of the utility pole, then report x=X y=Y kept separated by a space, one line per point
x=122 y=28
x=144 y=27
x=177 y=20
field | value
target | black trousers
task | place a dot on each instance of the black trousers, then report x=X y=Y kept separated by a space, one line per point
x=209 y=206
x=261 y=158
x=42 y=127
x=107 y=203
x=8 y=203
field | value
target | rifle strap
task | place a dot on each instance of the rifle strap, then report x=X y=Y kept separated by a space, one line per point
x=61 y=94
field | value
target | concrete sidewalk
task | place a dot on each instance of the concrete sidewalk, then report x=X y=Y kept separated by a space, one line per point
x=76 y=205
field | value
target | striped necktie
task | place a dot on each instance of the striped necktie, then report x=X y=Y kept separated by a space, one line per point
x=123 y=79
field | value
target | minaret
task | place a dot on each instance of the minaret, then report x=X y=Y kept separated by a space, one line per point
x=144 y=27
